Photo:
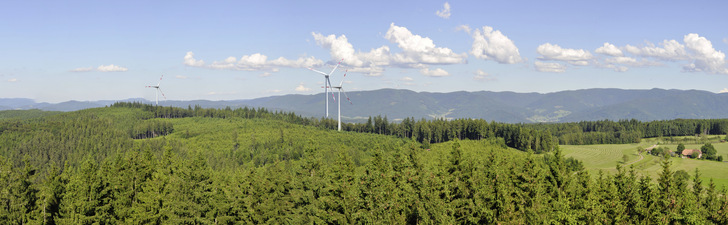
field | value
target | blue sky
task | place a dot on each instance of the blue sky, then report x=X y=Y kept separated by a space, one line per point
x=56 y=51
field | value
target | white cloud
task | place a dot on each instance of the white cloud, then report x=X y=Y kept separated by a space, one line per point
x=221 y=93
x=696 y=50
x=369 y=63
x=101 y=68
x=670 y=50
x=705 y=57
x=419 y=50
x=83 y=69
x=13 y=80
x=492 y=44
x=191 y=61
x=407 y=79
x=254 y=62
x=465 y=28
x=725 y=90
x=617 y=68
x=629 y=61
x=550 y=67
x=111 y=68
x=265 y=74
x=609 y=49
x=482 y=75
x=438 y=72
x=578 y=57
x=445 y=12
x=301 y=88
x=181 y=77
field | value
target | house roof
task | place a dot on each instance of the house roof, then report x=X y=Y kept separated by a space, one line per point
x=689 y=152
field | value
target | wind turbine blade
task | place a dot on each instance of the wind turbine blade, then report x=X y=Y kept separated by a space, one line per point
x=160 y=91
x=331 y=88
x=337 y=65
x=347 y=97
x=342 y=79
x=160 y=80
x=318 y=71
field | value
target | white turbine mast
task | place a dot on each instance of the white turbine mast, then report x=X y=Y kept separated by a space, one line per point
x=341 y=89
x=327 y=85
x=158 y=91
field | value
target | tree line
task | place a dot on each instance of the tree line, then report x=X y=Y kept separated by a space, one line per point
x=424 y=131
x=629 y=131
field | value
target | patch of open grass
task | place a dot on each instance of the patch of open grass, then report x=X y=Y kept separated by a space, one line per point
x=606 y=157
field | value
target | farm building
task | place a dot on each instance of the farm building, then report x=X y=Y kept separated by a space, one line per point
x=689 y=153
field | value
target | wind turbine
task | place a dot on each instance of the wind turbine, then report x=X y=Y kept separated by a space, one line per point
x=327 y=85
x=341 y=89
x=156 y=93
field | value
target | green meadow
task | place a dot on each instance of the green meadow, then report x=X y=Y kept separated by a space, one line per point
x=607 y=156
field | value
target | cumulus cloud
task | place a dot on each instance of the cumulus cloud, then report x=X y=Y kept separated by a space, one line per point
x=419 y=50
x=111 y=68
x=445 y=12
x=609 y=49
x=698 y=51
x=481 y=75
x=370 y=63
x=491 y=44
x=705 y=57
x=301 y=88
x=725 y=90
x=13 y=80
x=191 y=61
x=670 y=50
x=407 y=79
x=550 y=67
x=265 y=74
x=438 y=72
x=578 y=57
x=253 y=62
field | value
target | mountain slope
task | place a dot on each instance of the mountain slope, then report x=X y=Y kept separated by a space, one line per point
x=510 y=107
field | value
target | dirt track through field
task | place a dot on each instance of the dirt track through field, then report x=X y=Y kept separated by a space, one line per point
x=641 y=156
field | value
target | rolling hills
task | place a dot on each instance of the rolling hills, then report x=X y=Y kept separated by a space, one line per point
x=509 y=107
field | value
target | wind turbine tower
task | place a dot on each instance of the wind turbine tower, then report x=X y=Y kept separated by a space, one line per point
x=158 y=91
x=327 y=85
x=341 y=89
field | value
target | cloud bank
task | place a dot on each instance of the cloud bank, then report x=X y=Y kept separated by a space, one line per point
x=101 y=68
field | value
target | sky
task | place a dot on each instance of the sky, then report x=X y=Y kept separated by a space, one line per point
x=55 y=51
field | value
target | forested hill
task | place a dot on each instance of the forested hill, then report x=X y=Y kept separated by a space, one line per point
x=140 y=164
x=508 y=107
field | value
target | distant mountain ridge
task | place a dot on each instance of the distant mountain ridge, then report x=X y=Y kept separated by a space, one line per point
x=509 y=107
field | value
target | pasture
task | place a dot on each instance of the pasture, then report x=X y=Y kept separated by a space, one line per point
x=607 y=157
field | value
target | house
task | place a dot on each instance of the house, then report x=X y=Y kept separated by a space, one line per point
x=689 y=153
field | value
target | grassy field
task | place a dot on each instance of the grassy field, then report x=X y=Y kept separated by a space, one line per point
x=606 y=157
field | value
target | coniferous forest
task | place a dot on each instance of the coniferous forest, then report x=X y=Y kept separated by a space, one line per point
x=132 y=163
